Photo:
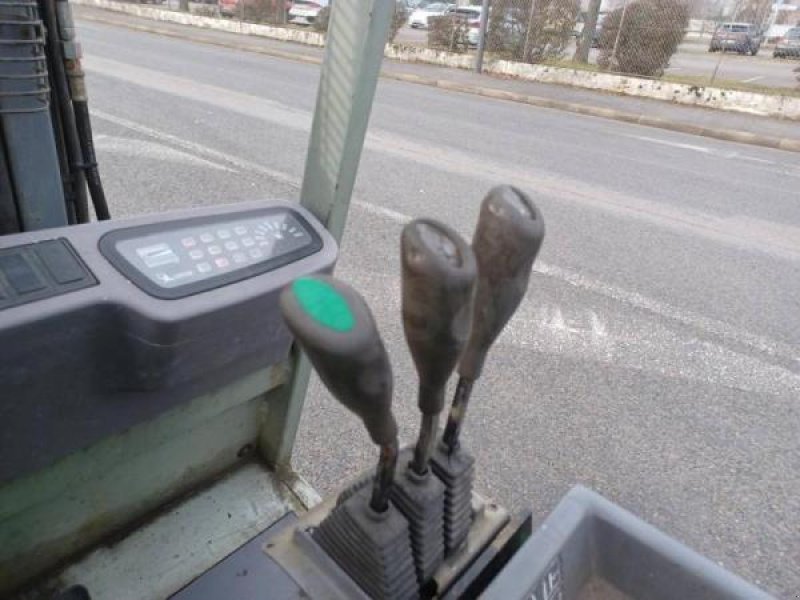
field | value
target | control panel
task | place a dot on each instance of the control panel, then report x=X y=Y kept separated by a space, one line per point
x=174 y=260
x=108 y=324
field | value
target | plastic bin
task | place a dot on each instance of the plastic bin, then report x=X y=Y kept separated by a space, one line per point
x=591 y=549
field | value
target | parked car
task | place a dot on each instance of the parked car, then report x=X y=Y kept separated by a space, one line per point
x=305 y=12
x=743 y=38
x=229 y=8
x=788 y=45
x=472 y=14
x=419 y=17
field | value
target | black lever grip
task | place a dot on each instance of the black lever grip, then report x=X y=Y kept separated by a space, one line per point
x=507 y=239
x=334 y=326
x=439 y=273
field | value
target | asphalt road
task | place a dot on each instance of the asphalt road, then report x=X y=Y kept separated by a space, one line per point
x=656 y=357
x=693 y=60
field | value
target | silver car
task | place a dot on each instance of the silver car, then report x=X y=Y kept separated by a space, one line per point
x=419 y=18
x=305 y=12
x=788 y=45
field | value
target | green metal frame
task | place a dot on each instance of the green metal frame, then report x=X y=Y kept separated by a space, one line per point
x=354 y=51
x=76 y=502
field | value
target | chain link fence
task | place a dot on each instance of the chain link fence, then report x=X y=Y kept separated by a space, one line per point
x=673 y=39
x=634 y=37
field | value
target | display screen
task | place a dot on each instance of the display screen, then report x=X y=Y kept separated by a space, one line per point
x=204 y=253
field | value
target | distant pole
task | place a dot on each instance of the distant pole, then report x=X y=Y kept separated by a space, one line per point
x=525 y=48
x=482 y=36
x=619 y=32
x=722 y=51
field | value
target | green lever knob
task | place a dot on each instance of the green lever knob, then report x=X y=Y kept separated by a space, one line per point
x=334 y=326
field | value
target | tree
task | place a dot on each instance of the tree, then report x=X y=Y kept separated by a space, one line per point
x=641 y=37
x=263 y=11
x=448 y=32
x=531 y=30
x=587 y=35
x=754 y=11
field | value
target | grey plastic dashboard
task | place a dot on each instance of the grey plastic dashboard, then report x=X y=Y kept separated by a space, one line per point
x=108 y=324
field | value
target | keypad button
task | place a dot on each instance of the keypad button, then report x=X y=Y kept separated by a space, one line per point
x=203 y=267
x=247 y=242
x=238 y=257
x=207 y=238
x=214 y=250
x=196 y=254
x=255 y=253
x=221 y=262
x=223 y=234
x=188 y=242
x=231 y=246
x=240 y=230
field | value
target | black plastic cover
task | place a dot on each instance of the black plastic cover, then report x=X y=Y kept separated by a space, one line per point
x=33 y=272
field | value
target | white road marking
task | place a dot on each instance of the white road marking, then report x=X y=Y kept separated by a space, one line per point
x=653 y=140
x=753 y=159
x=598 y=326
x=752 y=79
x=388 y=213
x=714 y=327
x=153 y=150
x=729 y=154
x=198 y=149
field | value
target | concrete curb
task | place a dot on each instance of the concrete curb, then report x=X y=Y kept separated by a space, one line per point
x=767 y=105
x=730 y=135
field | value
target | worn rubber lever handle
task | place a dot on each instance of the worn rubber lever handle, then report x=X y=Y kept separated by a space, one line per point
x=507 y=239
x=439 y=274
x=334 y=326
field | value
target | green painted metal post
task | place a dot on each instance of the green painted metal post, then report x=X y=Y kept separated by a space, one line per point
x=354 y=50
